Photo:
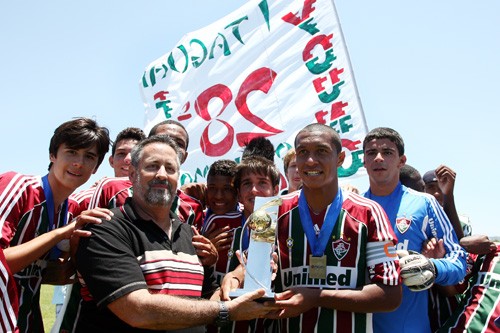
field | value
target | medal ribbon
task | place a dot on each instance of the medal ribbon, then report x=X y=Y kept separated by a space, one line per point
x=49 y=199
x=318 y=243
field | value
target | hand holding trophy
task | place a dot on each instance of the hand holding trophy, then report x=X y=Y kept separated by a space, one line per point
x=262 y=223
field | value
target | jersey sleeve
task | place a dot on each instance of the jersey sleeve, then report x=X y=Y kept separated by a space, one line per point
x=452 y=268
x=16 y=197
x=381 y=257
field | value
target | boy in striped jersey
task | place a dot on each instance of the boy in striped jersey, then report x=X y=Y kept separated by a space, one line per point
x=480 y=304
x=79 y=202
x=34 y=211
x=8 y=298
x=140 y=271
x=336 y=257
x=254 y=176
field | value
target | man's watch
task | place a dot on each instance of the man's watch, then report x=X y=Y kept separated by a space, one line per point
x=223 y=317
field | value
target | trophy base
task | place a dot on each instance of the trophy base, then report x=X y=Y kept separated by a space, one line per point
x=268 y=296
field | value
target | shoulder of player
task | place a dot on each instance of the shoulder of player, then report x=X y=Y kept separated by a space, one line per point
x=108 y=183
x=16 y=189
x=13 y=181
x=187 y=199
x=289 y=201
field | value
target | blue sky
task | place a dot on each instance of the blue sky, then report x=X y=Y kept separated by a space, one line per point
x=428 y=69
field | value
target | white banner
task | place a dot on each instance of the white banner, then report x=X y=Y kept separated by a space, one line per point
x=267 y=69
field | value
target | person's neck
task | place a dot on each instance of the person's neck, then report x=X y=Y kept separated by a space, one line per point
x=159 y=215
x=383 y=189
x=59 y=192
x=318 y=199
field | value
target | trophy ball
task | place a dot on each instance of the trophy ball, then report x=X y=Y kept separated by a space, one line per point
x=260 y=221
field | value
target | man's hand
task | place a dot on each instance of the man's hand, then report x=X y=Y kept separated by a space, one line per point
x=205 y=250
x=244 y=307
x=417 y=271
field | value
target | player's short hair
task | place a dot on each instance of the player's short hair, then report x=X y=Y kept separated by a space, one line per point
x=288 y=158
x=259 y=146
x=222 y=168
x=410 y=177
x=385 y=133
x=169 y=122
x=81 y=133
x=317 y=127
x=129 y=133
x=256 y=165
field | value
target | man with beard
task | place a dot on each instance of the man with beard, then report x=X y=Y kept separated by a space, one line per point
x=140 y=271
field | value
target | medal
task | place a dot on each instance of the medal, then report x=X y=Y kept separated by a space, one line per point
x=317 y=267
x=319 y=240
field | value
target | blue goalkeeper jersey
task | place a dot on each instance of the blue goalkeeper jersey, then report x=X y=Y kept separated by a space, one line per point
x=416 y=217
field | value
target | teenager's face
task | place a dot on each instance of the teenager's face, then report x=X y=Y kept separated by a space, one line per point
x=221 y=195
x=73 y=167
x=382 y=162
x=293 y=176
x=433 y=189
x=254 y=185
x=317 y=160
x=120 y=161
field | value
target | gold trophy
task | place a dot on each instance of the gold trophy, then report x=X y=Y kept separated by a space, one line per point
x=262 y=223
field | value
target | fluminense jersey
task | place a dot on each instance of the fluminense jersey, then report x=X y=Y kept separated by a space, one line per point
x=111 y=192
x=415 y=218
x=24 y=216
x=227 y=262
x=234 y=221
x=8 y=298
x=77 y=203
x=480 y=305
x=360 y=251
x=441 y=306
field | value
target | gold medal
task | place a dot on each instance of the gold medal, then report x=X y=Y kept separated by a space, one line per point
x=317 y=267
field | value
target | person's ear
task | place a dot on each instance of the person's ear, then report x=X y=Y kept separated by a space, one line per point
x=111 y=160
x=340 y=158
x=402 y=160
x=184 y=157
x=276 y=190
x=131 y=173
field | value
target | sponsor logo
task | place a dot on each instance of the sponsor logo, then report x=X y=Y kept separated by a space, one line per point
x=297 y=277
x=403 y=245
x=403 y=224
x=340 y=248
x=390 y=250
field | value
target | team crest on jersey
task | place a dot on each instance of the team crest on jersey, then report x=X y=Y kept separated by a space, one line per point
x=403 y=224
x=230 y=253
x=289 y=242
x=340 y=248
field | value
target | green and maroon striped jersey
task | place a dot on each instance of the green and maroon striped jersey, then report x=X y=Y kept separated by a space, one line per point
x=360 y=251
x=480 y=305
